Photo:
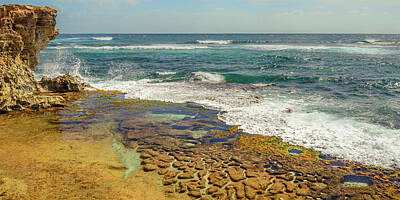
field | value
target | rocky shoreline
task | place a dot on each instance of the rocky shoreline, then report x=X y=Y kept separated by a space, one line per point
x=196 y=155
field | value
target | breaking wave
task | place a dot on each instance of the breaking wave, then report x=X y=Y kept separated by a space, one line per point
x=102 y=38
x=219 y=42
x=133 y=47
x=208 y=77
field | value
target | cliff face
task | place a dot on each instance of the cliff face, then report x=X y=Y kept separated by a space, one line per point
x=24 y=31
x=30 y=28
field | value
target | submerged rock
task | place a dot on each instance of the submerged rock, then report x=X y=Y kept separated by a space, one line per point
x=356 y=181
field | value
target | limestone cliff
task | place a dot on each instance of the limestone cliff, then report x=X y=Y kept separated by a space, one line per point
x=24 y=31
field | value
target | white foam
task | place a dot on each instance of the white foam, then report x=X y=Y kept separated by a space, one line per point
x=208 y=77
x=134 y=47
x=102 y=38
x=342 y=49
x=371 y=40
x=345 y=138
x=219 y=42
x=166 y=73
x=361 y=50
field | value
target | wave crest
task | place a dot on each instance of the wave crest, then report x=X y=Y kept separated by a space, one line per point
x=372 y=41
x=207 y=77
x=219 y=42
x=102 y=38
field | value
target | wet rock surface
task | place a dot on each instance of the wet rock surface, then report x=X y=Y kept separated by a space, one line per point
x=237 y=165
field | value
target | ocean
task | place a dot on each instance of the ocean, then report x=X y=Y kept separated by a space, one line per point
x=335 y=93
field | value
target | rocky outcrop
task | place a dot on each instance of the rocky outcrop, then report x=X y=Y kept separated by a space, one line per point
x=65 y=83
x=24 y=31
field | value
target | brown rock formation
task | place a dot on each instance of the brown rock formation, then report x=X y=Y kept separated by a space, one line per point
x=65 y=83
x=24 y=31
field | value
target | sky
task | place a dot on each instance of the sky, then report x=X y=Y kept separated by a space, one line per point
x=224 y=16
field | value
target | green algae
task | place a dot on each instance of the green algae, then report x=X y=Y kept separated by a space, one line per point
x=130 y=158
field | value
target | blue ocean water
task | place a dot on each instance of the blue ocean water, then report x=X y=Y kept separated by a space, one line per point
x=337 y=93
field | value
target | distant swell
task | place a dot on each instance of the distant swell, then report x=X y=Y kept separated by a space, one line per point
x=371 y=41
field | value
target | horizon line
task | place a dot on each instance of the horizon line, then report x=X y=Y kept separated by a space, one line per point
x=299 y=33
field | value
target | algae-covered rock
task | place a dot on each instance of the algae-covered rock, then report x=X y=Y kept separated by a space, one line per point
x=12 y=188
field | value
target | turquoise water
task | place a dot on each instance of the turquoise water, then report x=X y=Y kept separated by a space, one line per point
x=335 y=93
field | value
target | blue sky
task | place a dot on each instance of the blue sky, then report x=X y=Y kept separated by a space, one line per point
x=224 y=16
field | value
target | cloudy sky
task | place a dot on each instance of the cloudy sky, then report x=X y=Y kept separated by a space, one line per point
x=224 y=16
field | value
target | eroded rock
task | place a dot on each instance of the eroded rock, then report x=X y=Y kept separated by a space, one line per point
x=195 y=193
x=24 y=31
x=149 y=167
x=212 y=190
x=65 y=83
x=236 y=173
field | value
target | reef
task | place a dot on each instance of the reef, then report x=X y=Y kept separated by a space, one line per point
x=198 y=156
x=24 y=31
x=102 y=146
